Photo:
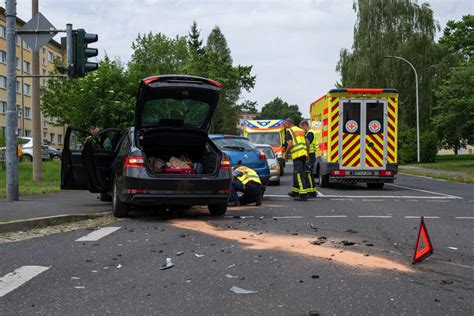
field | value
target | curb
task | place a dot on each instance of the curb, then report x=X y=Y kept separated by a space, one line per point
x=30 y=223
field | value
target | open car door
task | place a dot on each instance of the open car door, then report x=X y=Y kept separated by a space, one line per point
x=98 y=156
x=73 y=176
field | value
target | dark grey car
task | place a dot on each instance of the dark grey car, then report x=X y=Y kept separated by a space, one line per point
x=173 y=114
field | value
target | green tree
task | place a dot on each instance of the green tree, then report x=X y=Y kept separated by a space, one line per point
x=458 y=38
x=248 y=107
x=194 y=39
x=455 y=118
x=396 y=27
x=97 y=99
x=279 y=109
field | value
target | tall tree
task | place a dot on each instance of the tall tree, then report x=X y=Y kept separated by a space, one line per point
x=458 y=37
x=194 y=39
x=279 y=109
x=396 y=27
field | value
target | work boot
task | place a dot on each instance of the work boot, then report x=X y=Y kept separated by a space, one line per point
x=301 y=198
x=293 y=194
x=313 y=195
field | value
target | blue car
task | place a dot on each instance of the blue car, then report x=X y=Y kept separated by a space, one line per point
x=240 y=148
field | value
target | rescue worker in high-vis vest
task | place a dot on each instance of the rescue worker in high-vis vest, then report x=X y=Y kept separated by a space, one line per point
x=311 y=139
x=248 y=182
x=297 y=147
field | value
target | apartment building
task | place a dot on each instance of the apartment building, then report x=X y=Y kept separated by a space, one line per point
x=51 y=133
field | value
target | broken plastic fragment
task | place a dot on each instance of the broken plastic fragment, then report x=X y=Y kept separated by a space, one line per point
x=347 y=243
x=230 y=276
x=119 y=266
x=238 y=290
x=453 y=248
x=198 y=255
x=351 y=231
x=179 y=253
x=313 y=227
x=75 y=278
x=231 y=266
x=79 y=287
x=168 y=264
x=321 y=240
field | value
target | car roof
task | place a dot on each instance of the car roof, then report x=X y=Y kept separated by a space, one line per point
x=263 y=145
x=218 y=136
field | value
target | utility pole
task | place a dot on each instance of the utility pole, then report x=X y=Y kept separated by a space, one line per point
x=37 y=135
x=417 y=107
x=12 y=116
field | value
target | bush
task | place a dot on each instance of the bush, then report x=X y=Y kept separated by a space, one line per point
x=407 y=146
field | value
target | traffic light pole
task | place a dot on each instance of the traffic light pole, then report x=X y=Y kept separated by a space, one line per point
x=70 y=51
x=12 y=116
x=37 y=135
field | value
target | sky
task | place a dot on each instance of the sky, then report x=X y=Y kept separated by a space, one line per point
x=293 y=45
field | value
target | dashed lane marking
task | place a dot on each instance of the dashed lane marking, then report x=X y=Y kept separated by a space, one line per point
x=367 y=200
x=331 y=216
x=342 y=199
x=438 y=201
x=17 y=278
x=98 y=234
x=350 y=197
x=464 y=217
x=374 y=216
x=418 y=217
x=424 y=191
x=286 y=217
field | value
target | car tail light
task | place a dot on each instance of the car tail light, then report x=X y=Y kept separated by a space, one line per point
x=262 y=156
x=217 y=84
x=386 y=173
x=133 y=162
x=225 y=163
x=340 y=173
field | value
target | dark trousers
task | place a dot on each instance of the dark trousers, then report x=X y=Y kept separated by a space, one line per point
x=300 y=178
x=251 y=192
x=309 y=174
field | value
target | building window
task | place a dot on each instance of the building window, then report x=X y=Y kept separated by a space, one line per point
x=18 y=86
x=3 y=107
x=27 y=89
x=60 y=139
x=27 y=112
x=45 y=136
x=51 y=135
x=3 y=31
x=18 y=110
x=3 y=82
x=44 y=80
x=27 y=133
x=26 y=46
x=26 y=66
x=43 y=62
x=17 y=63
x=50 y=56
x=45 y=124
x=3 y=56
x=17 y=40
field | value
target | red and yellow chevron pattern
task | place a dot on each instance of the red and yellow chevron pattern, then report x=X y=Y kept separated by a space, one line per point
x=333 y=130
x=351 y=150
x=374 y=150
x=392 y=130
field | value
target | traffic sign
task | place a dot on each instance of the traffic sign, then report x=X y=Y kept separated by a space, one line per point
x=37 y=40
x=423 y=247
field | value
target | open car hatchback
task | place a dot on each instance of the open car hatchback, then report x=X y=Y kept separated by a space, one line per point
x=165 y=159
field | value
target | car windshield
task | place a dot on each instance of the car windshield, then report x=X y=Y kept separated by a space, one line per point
x=270 y=138
x=268 y=151
x=167 y=111
x=237 y=144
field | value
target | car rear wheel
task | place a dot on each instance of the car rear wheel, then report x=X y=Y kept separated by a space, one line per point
x=27 y=158
x=119 y=209
x=105 y=197
x=323 y=180
x=55 y=158
x=375 y=185
x=217 y=209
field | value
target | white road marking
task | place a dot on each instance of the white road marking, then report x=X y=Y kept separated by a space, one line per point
x=470 y=201
x=438 y=201
x=331 y=216
x=424 y=191
x=17 y=278
x=374 y=216
x=418 y=217
x=464 y=217
x=453 y=248
x=98 y=234
x=287 y=217
x=342 y=199
x=367 y=200
x=350 y=197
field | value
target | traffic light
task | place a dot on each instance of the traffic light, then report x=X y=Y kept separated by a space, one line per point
x=81 y=65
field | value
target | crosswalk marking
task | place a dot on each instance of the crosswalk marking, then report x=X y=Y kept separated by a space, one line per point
x=98 y=234
x=17 y=278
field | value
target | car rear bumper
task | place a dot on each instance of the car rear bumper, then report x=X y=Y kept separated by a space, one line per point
x=363 y=179
x=176 y=199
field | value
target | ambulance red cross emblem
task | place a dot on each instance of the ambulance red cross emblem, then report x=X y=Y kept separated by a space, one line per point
x=374 y=126
x=351 y=126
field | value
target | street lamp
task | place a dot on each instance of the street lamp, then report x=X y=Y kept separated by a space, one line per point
x=417 y=107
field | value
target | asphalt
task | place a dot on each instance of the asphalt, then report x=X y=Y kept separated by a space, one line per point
x=266 y=248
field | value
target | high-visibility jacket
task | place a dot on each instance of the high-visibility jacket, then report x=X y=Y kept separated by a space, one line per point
x=245 y=175
x=313 y=144
x=299 y=148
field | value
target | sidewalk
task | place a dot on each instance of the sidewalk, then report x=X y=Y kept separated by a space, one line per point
x=67 y=203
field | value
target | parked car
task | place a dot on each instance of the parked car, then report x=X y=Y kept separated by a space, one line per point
x=240 y=148
x=272 y=161
x=172 y=118
x=54 y=154
x=26 y=145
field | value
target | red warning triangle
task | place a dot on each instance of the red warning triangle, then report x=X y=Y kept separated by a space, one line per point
x=423 y=247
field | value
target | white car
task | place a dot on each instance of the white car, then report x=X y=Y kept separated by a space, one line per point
x=272 y=163
x=26 y=145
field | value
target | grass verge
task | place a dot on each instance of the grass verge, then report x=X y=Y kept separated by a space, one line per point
x=452 y=178
x=50 y=183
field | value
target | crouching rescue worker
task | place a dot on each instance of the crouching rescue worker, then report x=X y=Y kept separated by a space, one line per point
x=248 y=182
x=297 y=147
x=311 y=140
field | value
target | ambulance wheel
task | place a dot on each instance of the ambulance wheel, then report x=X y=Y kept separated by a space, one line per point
x=323 y=180
x=217 y=209
x=375 y=185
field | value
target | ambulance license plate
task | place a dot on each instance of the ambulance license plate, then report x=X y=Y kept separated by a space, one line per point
x=363 y=173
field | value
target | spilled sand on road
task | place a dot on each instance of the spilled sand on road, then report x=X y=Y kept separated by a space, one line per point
x=292 y=244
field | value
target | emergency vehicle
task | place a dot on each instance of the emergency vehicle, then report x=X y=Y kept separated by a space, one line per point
x=356 y=131
x=271 y=132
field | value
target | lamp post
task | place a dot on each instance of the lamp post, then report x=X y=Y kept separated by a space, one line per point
x=417 y=107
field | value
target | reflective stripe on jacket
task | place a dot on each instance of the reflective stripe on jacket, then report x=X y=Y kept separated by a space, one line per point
x=299 y=148
x=313 y=144
x=245 y=175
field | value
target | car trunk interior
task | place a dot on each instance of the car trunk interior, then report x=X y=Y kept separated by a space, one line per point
x=179 y=151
